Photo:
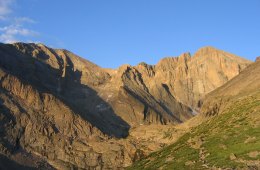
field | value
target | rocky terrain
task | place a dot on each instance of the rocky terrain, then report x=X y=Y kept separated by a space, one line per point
x=257 y=58
x=227 y=136
x=63 y=112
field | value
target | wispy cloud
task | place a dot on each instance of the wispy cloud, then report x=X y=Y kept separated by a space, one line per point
x=15 y=27
x=5 y=8
x=20 y=20
x=10 y=33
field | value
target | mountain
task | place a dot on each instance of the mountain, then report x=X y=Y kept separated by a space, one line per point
x=62 y=110
x=228 y=136
x=190 y=78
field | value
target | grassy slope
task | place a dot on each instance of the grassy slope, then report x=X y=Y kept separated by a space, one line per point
x=228 y=140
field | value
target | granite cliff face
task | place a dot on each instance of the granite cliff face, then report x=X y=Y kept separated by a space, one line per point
x=68 y=112
x=190 y=78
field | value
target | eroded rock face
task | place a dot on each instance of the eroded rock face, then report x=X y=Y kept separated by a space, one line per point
x=70 y=112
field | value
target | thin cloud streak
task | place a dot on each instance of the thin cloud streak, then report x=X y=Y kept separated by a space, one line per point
x=5 y=7
x=16 y=27
x=10 y=33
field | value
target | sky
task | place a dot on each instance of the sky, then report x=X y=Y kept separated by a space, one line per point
x=115 y=32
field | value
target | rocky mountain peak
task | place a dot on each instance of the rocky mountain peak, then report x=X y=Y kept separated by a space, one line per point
x=206 y=50
x=169 y=63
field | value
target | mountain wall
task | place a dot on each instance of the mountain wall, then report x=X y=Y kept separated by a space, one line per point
x=63 y=110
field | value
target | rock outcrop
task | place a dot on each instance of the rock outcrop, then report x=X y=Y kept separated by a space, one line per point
x=64 y=110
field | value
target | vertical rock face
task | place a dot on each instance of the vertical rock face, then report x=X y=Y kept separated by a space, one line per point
x=70 y=112
x=190 y=78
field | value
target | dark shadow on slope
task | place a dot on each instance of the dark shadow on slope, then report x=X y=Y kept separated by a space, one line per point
x=160 y=108
x=7 y=122
x=149 y=105
x=8 y=164
x=80 y=98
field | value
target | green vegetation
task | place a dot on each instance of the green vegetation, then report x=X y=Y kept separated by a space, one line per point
x=228 y=140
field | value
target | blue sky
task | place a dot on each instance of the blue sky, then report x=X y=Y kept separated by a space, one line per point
x=114 y=32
